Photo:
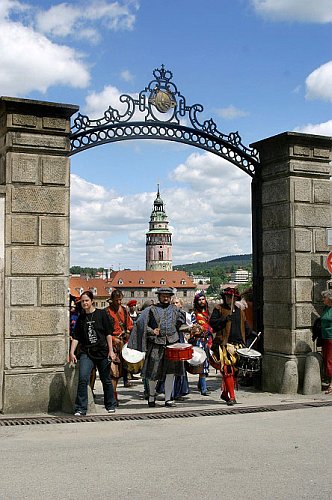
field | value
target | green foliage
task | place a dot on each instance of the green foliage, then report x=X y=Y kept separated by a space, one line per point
x=218 y=268
x=75 y=270
x=86 y=271
x=214 y=288
x=244 y=286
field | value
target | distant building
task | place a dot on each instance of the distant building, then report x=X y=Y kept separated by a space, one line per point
x=240 y=276
x=139 y=285
x=101 y=288
x=200 y=280
x=142 y=285
x=158 y=239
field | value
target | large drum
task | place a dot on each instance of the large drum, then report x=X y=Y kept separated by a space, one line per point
x=132 y=359
x=195 y=365
x=179 y=352
x=249 y=360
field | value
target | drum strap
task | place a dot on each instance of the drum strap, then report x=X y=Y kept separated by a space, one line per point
x=123 y=325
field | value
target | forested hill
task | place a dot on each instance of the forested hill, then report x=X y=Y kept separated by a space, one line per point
x=224 y=262
x=211 y=267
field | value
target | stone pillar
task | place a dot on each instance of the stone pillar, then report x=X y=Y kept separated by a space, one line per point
x=34 y=173
x=296 y=210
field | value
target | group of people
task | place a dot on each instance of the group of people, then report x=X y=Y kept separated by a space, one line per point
x=99 y=336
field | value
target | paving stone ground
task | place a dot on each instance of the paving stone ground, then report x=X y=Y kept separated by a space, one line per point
x=131 y=400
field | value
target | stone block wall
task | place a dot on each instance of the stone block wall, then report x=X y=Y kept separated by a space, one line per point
x=296 y=210
x=34 y=167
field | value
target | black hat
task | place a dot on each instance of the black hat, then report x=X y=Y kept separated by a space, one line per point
x=165 y=289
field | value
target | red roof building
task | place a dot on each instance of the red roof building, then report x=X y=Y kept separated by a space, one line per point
x=139 y=285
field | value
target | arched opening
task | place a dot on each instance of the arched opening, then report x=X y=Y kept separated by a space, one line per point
x=160 y=113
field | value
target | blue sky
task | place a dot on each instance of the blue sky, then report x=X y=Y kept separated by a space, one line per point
x=260 y=67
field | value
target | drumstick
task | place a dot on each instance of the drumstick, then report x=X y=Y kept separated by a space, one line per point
x=252 y=343
x=232 y=303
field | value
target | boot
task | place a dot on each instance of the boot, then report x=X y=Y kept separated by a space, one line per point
x=224 y=396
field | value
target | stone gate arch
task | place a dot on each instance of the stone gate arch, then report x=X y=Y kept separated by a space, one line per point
x=291 y=210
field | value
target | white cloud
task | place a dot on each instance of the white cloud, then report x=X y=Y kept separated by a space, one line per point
x=58 y=20
x=8 y=6
x=206 y=171
x=96 y=103
x=83 y=20
x=316 y=128
x=31 y=62
x=209 y=216
x=319 y=83
x=231 y=112
x=107 y=228
x=126 y=75
x=295 y=10
x=297 y=89
x=84 y=190
x=94 y=207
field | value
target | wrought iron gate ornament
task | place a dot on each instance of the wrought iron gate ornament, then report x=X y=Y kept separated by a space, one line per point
x=160 y=112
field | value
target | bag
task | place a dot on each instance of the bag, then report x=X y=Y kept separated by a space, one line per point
x=317 y=332
x=116 y=368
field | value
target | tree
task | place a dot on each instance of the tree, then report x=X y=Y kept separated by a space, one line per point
x=214 y=288
x=75 y=270
x=87 y=271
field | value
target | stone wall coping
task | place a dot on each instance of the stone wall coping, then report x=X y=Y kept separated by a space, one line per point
x=295 y=137
x=34 y=107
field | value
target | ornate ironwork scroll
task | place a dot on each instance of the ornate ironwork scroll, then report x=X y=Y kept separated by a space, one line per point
x=161 y=112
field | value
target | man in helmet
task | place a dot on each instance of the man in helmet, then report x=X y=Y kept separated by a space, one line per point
x=157 y=327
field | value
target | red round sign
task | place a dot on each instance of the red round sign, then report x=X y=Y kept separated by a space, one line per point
x=329 y=262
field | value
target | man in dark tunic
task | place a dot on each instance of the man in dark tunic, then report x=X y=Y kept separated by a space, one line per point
x=157 y=327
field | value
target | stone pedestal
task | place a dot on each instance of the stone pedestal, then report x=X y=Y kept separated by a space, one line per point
x=295 y=210
x=71 y=378
x=312 y=383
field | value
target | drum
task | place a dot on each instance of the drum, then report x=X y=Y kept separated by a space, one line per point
x=249 y=360
x=195 y=365
x=179 y=352
x=133 y=360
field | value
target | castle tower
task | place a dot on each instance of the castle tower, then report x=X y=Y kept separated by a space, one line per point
x=158 y=239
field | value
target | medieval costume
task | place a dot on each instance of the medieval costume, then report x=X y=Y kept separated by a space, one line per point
x=122 y=327
x=230 y=326
x=132 y=311
x=157 y=327
x=202 y=337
